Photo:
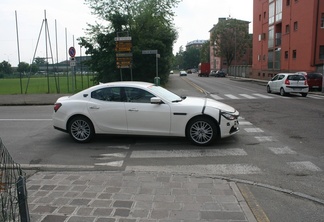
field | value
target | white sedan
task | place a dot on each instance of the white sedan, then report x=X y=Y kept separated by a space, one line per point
x=140 y=108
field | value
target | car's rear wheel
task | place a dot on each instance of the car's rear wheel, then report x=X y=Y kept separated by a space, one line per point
x=201 y=131
x=81 y=129
x=304 y=94
x=282 y=92
x=268 y=89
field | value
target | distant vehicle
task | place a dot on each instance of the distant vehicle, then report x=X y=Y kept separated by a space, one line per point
x=183 y=73
x=139 y=108
x=189 y=71
x=314 y=80
x=171 y=72
x=285 y=83
x=203 y=69
x=219 y=73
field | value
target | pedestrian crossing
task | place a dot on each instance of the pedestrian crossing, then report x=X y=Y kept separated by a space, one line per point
x=261 y=96
x=236 y=164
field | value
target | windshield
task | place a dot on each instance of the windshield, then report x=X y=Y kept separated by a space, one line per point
x=164 y=94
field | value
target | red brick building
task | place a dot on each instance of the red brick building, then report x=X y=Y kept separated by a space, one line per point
x=288 y=36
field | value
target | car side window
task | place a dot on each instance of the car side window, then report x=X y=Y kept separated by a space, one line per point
x=135 y=95
x=281 y=77
x=275 y=78
x=107 y=94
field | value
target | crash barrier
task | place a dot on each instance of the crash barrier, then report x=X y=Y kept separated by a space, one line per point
x=13 y=192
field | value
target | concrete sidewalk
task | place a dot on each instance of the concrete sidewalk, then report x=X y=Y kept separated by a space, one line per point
x=133 y=197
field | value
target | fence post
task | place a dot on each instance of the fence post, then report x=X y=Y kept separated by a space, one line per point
x=22 y=199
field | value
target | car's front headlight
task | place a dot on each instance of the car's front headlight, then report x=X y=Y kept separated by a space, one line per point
x=229 y=116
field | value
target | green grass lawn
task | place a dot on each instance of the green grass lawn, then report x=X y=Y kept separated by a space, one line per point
x=42 y=84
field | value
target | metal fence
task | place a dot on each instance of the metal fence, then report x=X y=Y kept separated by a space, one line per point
x=13 y=193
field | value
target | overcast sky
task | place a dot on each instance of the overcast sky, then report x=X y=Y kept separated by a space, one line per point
x=194 y=19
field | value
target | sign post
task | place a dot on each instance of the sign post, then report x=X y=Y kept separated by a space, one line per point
x=157 y=56
x=72 y=53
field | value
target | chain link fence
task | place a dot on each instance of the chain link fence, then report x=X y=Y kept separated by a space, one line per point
x=13 y=193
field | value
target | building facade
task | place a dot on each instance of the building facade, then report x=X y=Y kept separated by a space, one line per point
x=197 y=44
x=288 y=37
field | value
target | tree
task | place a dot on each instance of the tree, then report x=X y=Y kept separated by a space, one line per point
x=191 y=58
x=23 y=67
x=205 y=52
x=148 y=22
x=5 y=68
x=231 y=39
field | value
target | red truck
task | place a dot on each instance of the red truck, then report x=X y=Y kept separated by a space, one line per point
x=203 y=69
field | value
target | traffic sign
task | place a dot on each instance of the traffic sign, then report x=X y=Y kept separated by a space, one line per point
x=72 y=52
x=127 y=38
x=149 y=51
x=123 y=46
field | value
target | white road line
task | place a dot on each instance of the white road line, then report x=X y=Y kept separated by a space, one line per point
x=315 y=96
x=29 y=166
x=108 y=156
x=245 y=123
x=282 y=150
x=264 y=138
x=248 y=96
x=263 y=96
x=253 y=130
x=231 y=96
x=304 y=165
x=187 y=153
x=216 y=97
x=216 y=169
x=119 y=147
x=113 y=164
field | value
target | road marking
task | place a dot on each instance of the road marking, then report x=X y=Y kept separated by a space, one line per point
x=187 y=153
x=245 y=123
x=217 y=169
x=304 y=165
x=108 y=156
x=263 y=96
x=282 y=150
x=248 y=96
x=216 y=97
x=126 y=147
x=315 y=96
x=231 y=96
x=31 y=166
x=113 y=164
x=264 y=138
x=253 y=130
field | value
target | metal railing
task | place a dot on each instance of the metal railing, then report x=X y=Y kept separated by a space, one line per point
x=13 y=193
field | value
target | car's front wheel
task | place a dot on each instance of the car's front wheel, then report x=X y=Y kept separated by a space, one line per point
x=201 y=131
x=81 y=129
x=304 y=94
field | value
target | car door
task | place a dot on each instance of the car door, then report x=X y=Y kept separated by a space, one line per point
x=107 y=110
x=144 y=118
x=273 y=83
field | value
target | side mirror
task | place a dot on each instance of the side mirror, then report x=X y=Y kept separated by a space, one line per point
x=156 y=100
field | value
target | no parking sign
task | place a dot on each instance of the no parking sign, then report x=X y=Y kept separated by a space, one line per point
x=72 y=52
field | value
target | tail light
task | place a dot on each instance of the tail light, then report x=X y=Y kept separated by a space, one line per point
x=287 y=82
x=57 y=106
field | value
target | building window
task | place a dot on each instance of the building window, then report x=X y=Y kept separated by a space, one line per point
x=271 y=12
x=295 y=26
x=294 y=54
x=322 y=20
x=287 y=2
x=260 y=17
x=271 y=37
x=287 y=29
x=278 y=10
x=286 y=54
x=321 y=55
x=270 y=59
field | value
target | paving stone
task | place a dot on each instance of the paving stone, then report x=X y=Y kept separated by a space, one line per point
x=120 y=212
x=123 y=204
x=101 y=203
x=81 y=219
x=159 y=214
x=106 y=219
x=102 y=212
x=80 y=202
x=141 y=213
x=54 y=218
x=184 y=215
x=67 y=210
x=85 y=211
x=221 y=215
x=44 y=209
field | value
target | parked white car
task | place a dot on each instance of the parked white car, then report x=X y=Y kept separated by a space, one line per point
x=285 y=83
x=140 y=108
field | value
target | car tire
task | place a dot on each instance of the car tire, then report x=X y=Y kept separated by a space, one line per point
x=201 y=131
x=81 y=129
x=282 y=92
x=304 y=94
x=268 y=89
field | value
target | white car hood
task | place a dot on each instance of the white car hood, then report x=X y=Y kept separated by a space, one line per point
x=201 y=101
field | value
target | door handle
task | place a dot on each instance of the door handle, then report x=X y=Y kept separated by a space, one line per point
x=133 y=110
x=94 y=107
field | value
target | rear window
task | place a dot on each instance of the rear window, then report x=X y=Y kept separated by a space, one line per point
x=314 y=76
x=296 y=77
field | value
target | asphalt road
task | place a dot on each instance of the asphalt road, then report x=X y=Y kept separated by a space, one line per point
x=277 y=157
